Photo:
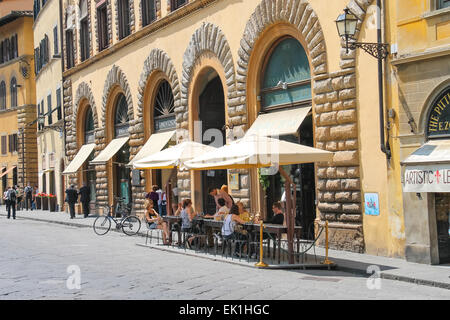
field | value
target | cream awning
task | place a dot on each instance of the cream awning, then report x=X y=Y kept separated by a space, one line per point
x=154 y=144
x=428 y=168
x=174 y=156
x=82 y=155
x=258 y=152
x=7 y=171
x=111 y=149
x=279 y=123
x=432 y=152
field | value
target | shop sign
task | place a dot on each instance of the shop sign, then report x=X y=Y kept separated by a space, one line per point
x=439 y=119
x=434 y=178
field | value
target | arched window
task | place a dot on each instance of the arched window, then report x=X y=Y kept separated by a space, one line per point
x=121 y=117
x=164 y=108
x=438 y=124
x=287 y=76
x=13 y=92
x=89 y=127
x=2 y=95
x=84 y=31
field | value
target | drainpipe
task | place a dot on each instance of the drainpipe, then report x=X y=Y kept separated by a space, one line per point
x=384 y=145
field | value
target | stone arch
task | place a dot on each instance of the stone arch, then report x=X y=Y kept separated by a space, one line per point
x=116 y=77
x=84 y=92
x=207 y=38
x=295 y=12
x=157 y=60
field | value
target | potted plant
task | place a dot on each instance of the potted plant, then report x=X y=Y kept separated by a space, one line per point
x=52 y=202
x=44 y=201
x=38 y=200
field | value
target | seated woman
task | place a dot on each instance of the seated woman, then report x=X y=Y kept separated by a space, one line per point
x=155 y=221
x=243 y=214
x=187 y=215
x=228 y=227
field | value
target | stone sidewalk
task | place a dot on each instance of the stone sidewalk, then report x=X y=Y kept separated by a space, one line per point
x=388 y=268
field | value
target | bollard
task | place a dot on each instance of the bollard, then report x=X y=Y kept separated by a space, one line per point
x=328 y=262
x=261 y=263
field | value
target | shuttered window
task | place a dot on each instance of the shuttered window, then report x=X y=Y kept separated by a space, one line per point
x=124 y=18
x=58 y=103
x=102 y=27
x=4 y=145
x=69 y=49
x=49 y=108
x=148 y=12
x=175 y=4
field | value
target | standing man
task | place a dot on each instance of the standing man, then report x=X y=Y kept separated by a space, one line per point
x=85 y=198
x=71 y=199
x=28 y=196
x=12 y=199
x=5 y=198
x=217 y=194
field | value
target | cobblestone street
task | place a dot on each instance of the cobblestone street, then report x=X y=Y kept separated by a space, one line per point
x=38 y=258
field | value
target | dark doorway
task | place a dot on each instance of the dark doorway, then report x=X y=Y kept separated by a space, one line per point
x=303 y=177
x=123 y=186
x=442 y=204
x=212 y=115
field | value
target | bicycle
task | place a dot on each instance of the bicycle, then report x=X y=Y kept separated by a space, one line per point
x=130 y=225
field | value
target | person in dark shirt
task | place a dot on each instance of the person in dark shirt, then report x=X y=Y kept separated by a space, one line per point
x=278 y=217
x=72 y=199
x=85 y=198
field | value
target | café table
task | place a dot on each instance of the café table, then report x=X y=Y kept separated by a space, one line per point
x=276 y=229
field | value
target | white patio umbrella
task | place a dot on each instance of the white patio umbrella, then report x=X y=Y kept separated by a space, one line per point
x=255 y=151
x=173 y=157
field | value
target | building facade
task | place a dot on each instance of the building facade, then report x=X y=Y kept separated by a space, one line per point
x=17 y=96
x=135 y=71
x=419 y=78
x=48 y=70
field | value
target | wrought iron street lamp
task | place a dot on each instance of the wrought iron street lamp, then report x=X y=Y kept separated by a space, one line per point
x=346 y=24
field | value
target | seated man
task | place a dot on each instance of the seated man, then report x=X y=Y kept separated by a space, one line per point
x=278 y=217
x=223 y=210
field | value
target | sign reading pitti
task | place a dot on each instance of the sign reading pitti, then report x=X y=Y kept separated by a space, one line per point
x=434 y=178
x=439 y=120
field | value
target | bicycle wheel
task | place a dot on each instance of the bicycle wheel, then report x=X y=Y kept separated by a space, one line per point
x=131 y=225
x=102 y=225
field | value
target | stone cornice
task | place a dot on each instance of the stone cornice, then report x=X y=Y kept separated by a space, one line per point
x=414 y=57
x=146 y=31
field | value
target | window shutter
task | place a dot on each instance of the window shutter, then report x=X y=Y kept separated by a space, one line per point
x=49 y=108
x=55 y=40
x=58 y=103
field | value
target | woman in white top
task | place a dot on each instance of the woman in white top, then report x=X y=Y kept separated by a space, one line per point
x=230 y=221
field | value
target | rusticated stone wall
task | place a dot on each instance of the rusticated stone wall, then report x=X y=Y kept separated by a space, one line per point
x=27 y=169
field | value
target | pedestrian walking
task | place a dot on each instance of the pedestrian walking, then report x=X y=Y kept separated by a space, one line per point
x=5 y=198
x=71 y=199
x=85 y=198
x=33 y=199
x=12 y=200
x=19 y=196
x=28 y=196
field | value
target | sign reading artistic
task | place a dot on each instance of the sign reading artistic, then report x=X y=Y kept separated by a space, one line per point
x=434 y=178
x=439 y=120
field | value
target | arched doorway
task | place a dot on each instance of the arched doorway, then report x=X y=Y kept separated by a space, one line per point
x=121 y=172
x=163 y=120
x=89 y=174
x=211 y=114
x=286 y=84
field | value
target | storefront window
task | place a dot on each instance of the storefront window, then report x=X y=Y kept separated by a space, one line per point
x=287 y=77
x=438 y=125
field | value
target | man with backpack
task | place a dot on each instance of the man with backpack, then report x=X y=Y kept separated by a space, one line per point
x=28 y=196
x=12 y=199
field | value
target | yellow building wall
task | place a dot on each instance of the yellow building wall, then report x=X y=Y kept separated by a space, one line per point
x=25 y=93
x=49 y=79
